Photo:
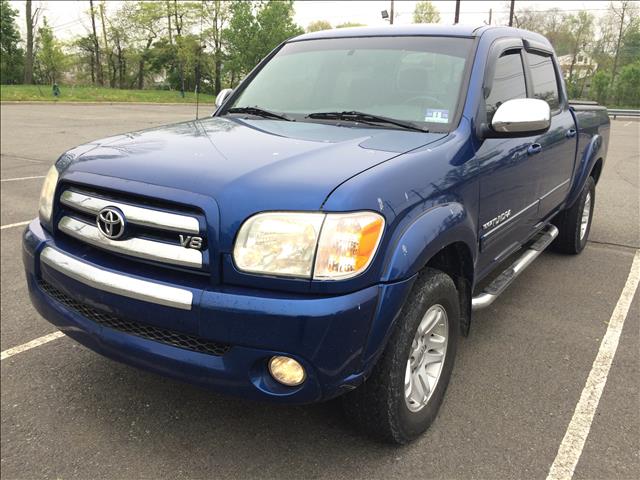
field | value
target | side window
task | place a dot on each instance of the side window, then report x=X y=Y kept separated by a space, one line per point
x=543 y=75
x=508 y=82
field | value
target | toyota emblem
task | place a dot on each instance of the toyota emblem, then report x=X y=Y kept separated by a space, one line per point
x=111 y=222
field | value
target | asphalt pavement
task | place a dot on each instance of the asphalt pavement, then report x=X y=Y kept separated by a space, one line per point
x=70 y=413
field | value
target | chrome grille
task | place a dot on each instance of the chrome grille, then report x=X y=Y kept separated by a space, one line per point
x=149 y=332
x=155 y=234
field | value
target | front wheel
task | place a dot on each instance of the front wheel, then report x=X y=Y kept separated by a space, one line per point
x=401 y=398
x=574 y=223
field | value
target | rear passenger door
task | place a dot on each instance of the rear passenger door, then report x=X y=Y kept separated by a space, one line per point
x=555 y=159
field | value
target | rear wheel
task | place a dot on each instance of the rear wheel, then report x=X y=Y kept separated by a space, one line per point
x=405 y=390
x=575 y=222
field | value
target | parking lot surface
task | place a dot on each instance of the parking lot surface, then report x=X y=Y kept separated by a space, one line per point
x=69 y=413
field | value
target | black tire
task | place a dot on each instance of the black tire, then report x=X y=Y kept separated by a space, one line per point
x=569 y=222
x=378 y=406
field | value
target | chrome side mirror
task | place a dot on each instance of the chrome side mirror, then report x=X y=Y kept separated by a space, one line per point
x=222 y=96
x=520 y=117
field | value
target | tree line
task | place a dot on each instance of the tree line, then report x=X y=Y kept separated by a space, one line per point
x=163 y=44
x=177 y=44
x=601 y=55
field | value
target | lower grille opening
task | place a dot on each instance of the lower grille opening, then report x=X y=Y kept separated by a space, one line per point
x=149 y=332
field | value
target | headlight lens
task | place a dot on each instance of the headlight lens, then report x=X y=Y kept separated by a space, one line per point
x=288 y=244
x=45 y=207
x=278 y=243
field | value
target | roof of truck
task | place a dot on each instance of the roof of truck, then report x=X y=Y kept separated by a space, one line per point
x=426 y=30
x=396 y=30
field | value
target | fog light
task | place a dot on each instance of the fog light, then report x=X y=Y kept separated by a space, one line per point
x=286 y=371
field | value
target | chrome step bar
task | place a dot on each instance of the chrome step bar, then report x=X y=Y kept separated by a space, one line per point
x=497 y=286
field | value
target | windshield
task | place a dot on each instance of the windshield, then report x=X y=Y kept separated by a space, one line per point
x=416 y=79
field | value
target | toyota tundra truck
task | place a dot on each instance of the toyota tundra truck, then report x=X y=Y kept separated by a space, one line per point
x=331 y=228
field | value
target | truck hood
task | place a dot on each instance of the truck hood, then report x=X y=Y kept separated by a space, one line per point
x=247 y=165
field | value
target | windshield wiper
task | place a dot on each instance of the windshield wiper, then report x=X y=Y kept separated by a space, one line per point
x=260 y=112
x=363 y=117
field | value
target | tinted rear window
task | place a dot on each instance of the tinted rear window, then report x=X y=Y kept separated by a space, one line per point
x=545 y=84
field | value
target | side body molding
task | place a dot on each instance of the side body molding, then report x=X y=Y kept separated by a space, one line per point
x=425 y=235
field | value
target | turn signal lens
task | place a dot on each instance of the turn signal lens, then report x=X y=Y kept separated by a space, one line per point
x=287 y=371
x=347 y=244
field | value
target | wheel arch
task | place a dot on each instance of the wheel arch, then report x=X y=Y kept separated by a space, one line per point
x=442 y=238
x=590 y=165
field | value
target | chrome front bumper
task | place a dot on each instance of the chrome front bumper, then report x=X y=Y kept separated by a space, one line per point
x=116 y=283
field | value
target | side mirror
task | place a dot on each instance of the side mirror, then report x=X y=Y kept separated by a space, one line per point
x=222 y=96
x=520 y=117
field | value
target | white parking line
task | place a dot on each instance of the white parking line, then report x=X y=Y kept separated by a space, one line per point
x=627 y=124
x=21 y=178
x=29 y=345
x=574 y=439
x=11 y=225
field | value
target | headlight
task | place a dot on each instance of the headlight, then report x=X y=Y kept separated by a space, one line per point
x=45 y=207
x=326 y=246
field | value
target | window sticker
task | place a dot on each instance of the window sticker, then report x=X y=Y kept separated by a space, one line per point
x=436 y=116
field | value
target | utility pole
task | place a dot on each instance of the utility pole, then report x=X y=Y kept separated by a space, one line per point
x=28 y=64
x=490 y=13
x=96 y=47
x=457 y=17
x=391 y=16
x=511 y=13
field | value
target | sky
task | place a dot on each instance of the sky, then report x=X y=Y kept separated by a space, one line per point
x=69 y=19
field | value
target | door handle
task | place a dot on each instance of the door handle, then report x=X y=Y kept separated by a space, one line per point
x=534 y=148
x=571 y=133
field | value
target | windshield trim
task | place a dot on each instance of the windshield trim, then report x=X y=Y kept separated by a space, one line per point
x=433 y=127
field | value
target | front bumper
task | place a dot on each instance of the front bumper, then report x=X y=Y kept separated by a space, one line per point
x=336 y=339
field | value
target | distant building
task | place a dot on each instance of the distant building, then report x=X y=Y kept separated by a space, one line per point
x=584 y=66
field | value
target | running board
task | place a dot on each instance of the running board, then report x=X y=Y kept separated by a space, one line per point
x=495 y=288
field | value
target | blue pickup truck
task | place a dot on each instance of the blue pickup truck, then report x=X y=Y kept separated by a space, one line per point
x=330 y=229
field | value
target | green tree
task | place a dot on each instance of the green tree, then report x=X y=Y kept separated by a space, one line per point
x=11 y=55
x=551 y=23
x=350 y=24
x=275 y=25
x=50 y=59
x=217 y=16
x=239 y=39
x=627 y=86
x=319 y=25
x=426 y=12
x=600 y=86
x=255 y=30
x=145 y=26
x=581 y=28
x=630 y=45
x=84 y=58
